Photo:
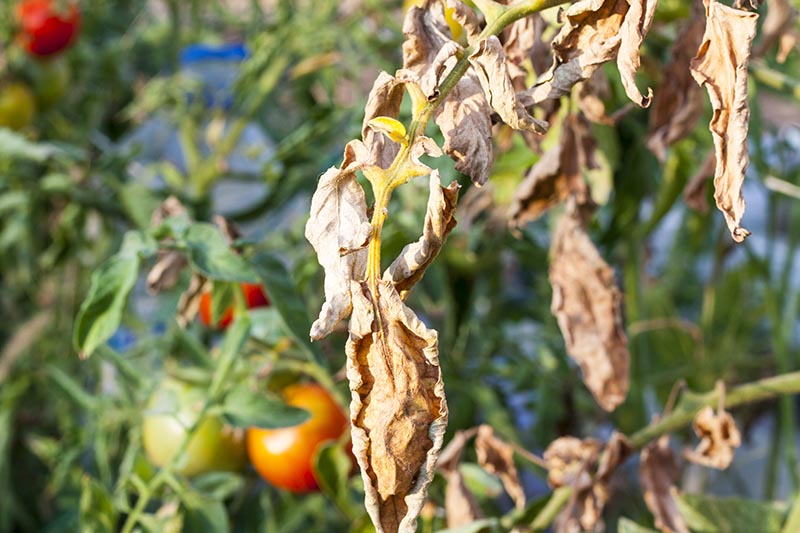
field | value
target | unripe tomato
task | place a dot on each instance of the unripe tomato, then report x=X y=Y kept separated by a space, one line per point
x=51 y=78
x=173 y=408
x=44 y=28
x=285 y=457
x=17 y=106
x=254 y=295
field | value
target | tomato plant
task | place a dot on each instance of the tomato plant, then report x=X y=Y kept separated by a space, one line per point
x=254 y=296
x=45 y=29
x=50 y=80
x=17 y=105
x=285 y=457
x=171 y=411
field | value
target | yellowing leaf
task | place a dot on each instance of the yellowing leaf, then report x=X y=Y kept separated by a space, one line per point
x=721 y=66
x=392 y=128
x=384 y=101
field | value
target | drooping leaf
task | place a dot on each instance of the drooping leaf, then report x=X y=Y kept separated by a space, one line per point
x=415 y=258
x=398 y=409
x=459 y=502
x=718 y=437
x=166 y=272
x=694 y=194
x=339 y=231
x=497 y=457
x=721 y=66
x=588 y=307
x=384 y=101
x=778 y=23
x=658 y=473
x=244 y=408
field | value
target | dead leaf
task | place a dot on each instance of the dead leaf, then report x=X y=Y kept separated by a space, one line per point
x=526 y=46
x=786 y=43
x=718 y=437
x=596 y=31
x=398 y=409
x=384 y=101
x=588 y=307
x=189 y=302
x=169 y=264
x=694 y=194
x=591 y=94
x=658 y=473
x=778 y=23
x=557 y=175
x=489 y=64
x=459 y=502
x=497 y=457
x=415 y=258
x=466 y=17
x=339 y=231
x=678 y=103
x=721 y=66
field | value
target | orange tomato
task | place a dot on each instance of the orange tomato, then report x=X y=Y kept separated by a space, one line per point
x=254 y=295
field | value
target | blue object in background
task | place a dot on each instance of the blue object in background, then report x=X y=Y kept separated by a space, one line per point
x=216 y=67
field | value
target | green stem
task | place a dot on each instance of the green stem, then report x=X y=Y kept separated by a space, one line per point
x=553 y=506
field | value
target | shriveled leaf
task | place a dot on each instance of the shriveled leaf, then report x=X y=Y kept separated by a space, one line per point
x=721 y=66
x=588 y=307
x=658 y=473
x=166 y=272
x=718 y=437
x=398 y=409
x=526 y=46
x=466 y=17
x=497 y=457
x=591 y=96
x=339 y=231
x=189 y=302
x=558 y=175
x=384 y=101
x=678 y=103
x=459 y=502
x=489 y=64
x=415 y=258
x=596 y=31
x=694 y=194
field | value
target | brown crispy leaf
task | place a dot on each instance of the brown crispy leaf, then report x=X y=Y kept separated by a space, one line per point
x=465 y=16
x=694 y=194
x=489 y=64
x=777 y=24
x=189 y=302
x=658 y=473
x=497 y=457
x=526 y=46
x=591 y=94
x=384 y=101
x=721 y=66
x=398 y=409
x=339 y=232
x=557 y=175
x=588 y=306
x=718 y=437
x=415 y=258
x=167 y=270
x=678 y=104
x=459 y=502
x=596 y=31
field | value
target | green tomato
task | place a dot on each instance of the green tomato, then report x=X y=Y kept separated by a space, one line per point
x=51 y=78
x=171 y=411
x=17 y=106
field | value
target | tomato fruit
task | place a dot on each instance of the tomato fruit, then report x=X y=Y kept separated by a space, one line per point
x=173 y=408
x=44 y=28
x=51 y=79
x=254 y=295
x=285 y=457
x=17 y=106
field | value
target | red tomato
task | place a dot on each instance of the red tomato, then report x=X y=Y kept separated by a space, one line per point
x=254 y=295
x=285 y=457
x=44 y=28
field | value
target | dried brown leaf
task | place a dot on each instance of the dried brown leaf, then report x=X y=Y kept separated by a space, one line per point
x=167 y=269
x=526 y=46
x=339 y=232
x=658 y=473
x=398 y=409
x=557 y=175
x=189 y=302
x=718 y=437
x=466 y=17
x=678 y=104
x=415 y=258
x=721 y=66
x=588 y=307
x=489 y=64
x=384 y=101
x=459 y=502
x=596 y=31
x=497 y=457
x=778 y=23
x=694 y=194
x=591 y=94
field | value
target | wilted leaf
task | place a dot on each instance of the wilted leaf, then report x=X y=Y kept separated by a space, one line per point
x=557 y=175
x=718 y=437
x=694 y=194
x=489 y=64
x=525 y=45
x=459 y=502
x=658 y=473
x=384 y=101
x=189 y=302
x=410 y=265
x=466 y=17
x=596 y=31
x=398 y=410
x=166 y=272
x=497 y=457
x=591 y=94
x=678 y=103
x=339 y=231
x=721 y=66
x=588 y=307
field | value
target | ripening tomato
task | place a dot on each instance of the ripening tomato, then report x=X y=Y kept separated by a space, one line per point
x=285 y=457
x=254 y=295
x=45 y=29
x=173 y=408
x=17 y=106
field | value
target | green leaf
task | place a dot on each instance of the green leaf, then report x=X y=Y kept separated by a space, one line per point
x=211 y=255
x=218 y=485
x=203 y=515
x=793 y=522
x=626 y=525
x=97 y=513
x=221 y=300
x=332 y=467
x=101 y=312
x=708 y=514
x=245 y=408
x=478 y=526
x=285 y=297
x=15 y=146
